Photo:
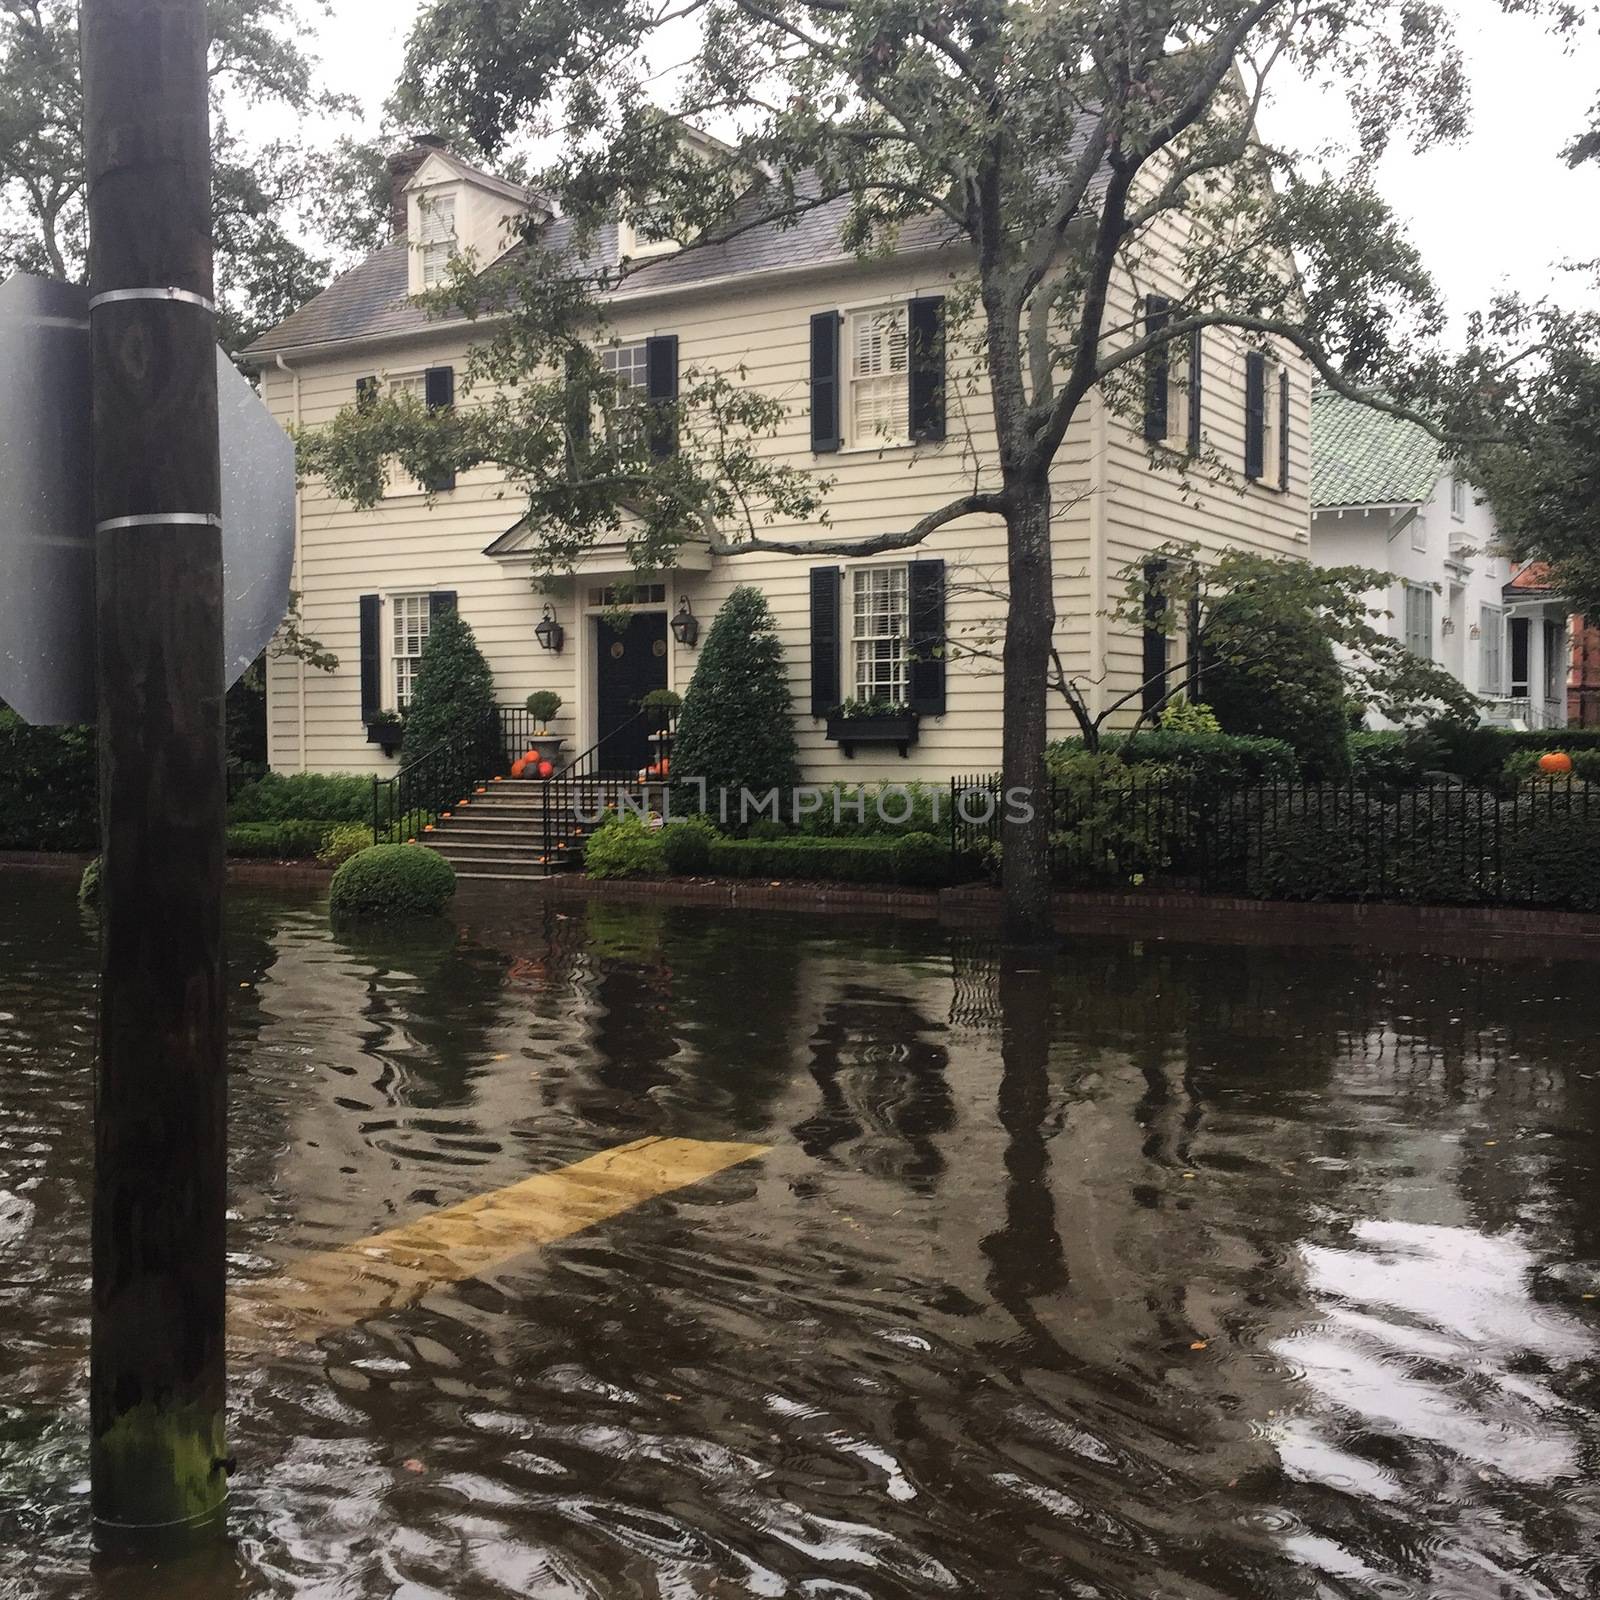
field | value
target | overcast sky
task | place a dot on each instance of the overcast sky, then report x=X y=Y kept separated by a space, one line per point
x=1500 y=208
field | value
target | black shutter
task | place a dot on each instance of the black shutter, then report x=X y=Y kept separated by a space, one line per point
x=1155 y=639
x=439 y=602
x=1283 y=429
x=1196 y=387
x=927 y=638
x=439 y=392
x=577 y=406
x=1157 y=369
x=1255 y=414
x=371 y=657
x=927 y=369
x=661 y=388
x=825 y=586
x=825 y=433
x=366 y=393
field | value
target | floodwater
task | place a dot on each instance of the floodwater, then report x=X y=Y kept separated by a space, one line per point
x=1166 y=1271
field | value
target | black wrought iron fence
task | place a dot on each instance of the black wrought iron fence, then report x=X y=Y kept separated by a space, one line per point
x=1437 y=844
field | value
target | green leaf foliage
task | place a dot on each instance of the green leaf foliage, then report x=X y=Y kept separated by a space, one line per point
x=1276 y=676
x=625 y=847
x=736 y=728
x=48 y=793
x=332 y=796
x=343 y=840
x=289 y=839
x=454 y=689
x=392 y=880
x=686 y=845
x=915 y=859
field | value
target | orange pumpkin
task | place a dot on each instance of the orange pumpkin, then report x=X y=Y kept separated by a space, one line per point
x=545 y=769
x=1555 y=761
x=518 y=767
x=531 y=757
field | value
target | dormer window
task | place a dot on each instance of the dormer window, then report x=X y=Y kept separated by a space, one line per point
x=438 y=242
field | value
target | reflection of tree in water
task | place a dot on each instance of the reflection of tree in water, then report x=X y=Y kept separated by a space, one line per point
x=881 y=1080
x=736 y=982
x=629 y=980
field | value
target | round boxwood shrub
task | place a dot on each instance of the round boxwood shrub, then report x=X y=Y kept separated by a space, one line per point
x=686 y=845
x=392 y=880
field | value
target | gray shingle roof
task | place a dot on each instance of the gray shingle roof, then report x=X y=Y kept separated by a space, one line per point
x=370 y=300
x=1362 y=457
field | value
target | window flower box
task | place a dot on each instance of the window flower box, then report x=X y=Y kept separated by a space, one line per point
x=388 y=732
x=873 y=724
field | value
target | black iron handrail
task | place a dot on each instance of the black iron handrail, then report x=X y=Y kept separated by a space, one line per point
x=428 y=785
x=562 y=789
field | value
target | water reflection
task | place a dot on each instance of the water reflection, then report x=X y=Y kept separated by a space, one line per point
x=1117 y=1271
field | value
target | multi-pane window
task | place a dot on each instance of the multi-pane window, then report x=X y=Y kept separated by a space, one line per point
x=1419 y=620
x=627 y=363
x=1458 y=499
x=881 y=633
x=880 y=361
x=408 y=614
x=1491 y=630
x=438 y=242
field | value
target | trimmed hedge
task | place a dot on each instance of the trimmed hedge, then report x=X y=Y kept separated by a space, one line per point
x=288 y=796
x=392 y=880
x=296 y=839
x=912 y=859
x=343 y=840
x=686 y=845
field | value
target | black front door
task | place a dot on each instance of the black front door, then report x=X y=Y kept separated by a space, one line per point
x=631 y=662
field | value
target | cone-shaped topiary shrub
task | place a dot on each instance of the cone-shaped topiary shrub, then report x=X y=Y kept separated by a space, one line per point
x=392 y=880
x=736 y=728
x=454 y=688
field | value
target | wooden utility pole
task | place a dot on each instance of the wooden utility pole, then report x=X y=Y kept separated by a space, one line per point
x=158 y=1473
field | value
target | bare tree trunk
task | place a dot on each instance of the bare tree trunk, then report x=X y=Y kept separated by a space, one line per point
x=1030 y=627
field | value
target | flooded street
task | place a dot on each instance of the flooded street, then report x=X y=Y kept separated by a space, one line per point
x=1166 y=1270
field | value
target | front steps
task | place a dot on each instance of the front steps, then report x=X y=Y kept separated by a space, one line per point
x=500 y=835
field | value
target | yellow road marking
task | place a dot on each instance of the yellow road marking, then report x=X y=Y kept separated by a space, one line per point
x=394 y=1268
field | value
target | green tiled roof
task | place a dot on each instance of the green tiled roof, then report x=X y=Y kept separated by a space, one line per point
x=1362 y=457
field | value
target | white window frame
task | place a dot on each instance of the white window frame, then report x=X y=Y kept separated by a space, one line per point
x=1418 y=598
x=878 y=390
x=437 y=240
x=413 y=380
x=1492 y=650
x=1271 y=422
x=880 y=633
x=629 y=361
x=1458 y=499
x=404 y=609
x=1419 y=533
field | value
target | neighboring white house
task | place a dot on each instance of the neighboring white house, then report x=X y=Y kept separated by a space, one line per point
x=828 y=334
x=1383 y=498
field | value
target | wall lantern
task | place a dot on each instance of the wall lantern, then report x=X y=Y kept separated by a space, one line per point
x=549 y=632
x=685 y=625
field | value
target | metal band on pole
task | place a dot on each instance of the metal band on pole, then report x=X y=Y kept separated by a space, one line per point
x=161 y=519
x=181 y=296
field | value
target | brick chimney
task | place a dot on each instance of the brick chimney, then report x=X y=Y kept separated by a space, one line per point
x=402 y=168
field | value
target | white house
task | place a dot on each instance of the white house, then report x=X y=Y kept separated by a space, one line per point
x=827 y=333
x=1383 y=498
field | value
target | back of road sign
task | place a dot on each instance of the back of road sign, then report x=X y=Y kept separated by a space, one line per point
x=47 y=507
